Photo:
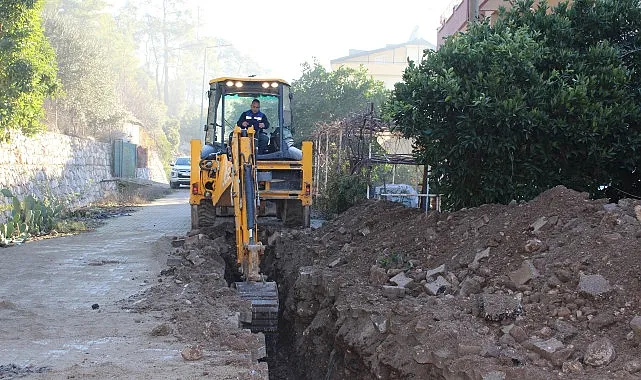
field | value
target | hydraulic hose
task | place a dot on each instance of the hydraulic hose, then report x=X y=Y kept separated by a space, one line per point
x=250 y=200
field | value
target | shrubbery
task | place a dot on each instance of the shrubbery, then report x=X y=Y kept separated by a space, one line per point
x=29 y=217
x=342 y=192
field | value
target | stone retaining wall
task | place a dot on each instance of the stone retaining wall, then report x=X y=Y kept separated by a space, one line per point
x=77 y=171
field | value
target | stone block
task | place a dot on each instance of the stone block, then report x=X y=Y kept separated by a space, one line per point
x=401 y=280
x=544 y=348
x=174 y=261
x=393 y=291
x=435 y=287
x=431 y=272
x=524 y=274
x=497 y=307
x=594 y=285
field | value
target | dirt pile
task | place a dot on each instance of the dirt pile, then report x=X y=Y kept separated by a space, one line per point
x=545 y=289
x=549 y=289
x=200 y=309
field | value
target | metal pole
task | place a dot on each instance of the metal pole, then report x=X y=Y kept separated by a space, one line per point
x=202 y=92
x=473 y=12
x=340 y=147
x=326 y=157
x=369 y=166
x=317 y=166
x=394 y=174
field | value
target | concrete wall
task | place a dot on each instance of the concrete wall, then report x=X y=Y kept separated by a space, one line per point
x=77 y=171
x=457 y=21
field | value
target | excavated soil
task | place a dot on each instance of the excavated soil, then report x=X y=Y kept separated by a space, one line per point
x=548 y=289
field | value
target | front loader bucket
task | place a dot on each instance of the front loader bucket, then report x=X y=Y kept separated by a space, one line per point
x=264 y=305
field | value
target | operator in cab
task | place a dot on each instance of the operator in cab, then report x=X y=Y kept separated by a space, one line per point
x=255 y=118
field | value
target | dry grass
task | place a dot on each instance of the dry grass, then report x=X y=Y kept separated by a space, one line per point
x=136 y=194
x=129 y=196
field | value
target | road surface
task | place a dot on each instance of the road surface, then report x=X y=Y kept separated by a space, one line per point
x=59 y=311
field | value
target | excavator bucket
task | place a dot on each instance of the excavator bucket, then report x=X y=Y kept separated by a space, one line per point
x=264 y=305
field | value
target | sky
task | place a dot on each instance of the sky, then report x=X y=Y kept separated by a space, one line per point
x=282 y=34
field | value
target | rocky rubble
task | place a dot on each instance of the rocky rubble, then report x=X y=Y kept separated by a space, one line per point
x=548 y=289
x=201 y=310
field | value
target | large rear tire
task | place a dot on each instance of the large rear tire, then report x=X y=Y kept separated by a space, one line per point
x=203 y=215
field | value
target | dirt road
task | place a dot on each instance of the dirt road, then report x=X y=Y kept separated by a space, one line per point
x=61 y=313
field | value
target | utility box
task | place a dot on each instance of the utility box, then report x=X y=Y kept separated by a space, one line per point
x=125 y=159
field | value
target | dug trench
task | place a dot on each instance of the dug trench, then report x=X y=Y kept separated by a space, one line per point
x=546 y=289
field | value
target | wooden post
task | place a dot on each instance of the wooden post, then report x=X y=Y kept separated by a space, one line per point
x=340 y=146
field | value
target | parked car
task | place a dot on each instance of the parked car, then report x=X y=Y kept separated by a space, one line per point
x=180 y=171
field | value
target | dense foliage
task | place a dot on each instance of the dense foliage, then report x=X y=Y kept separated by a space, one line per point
x=322 y=97
x=543 y=97
x=88 y=104
x=27 y=67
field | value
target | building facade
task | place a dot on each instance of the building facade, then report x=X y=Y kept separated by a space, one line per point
x=386 y=64
x=460 y=12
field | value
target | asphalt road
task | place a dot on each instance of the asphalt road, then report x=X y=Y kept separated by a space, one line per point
x=48 y=287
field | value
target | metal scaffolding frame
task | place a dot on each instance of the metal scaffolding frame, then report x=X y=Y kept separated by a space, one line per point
x=351 y=139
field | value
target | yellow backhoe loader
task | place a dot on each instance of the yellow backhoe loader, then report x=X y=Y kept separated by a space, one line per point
x=230 y=176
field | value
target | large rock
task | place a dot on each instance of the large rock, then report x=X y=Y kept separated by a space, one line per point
x=599 y=353
x=524 y=274
x=635 y=325
x=594 y=285
x=496 y=307
x=377 y=275
x=544 y=348
x=600 y=321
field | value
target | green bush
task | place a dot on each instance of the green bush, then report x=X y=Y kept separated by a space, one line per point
x=342 y=192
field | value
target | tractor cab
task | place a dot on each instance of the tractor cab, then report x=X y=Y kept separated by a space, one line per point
x=230 y=97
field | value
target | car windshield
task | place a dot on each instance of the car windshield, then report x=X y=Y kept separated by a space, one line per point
x=183 y=161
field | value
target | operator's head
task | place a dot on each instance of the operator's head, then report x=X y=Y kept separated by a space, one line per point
x=255 y=105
